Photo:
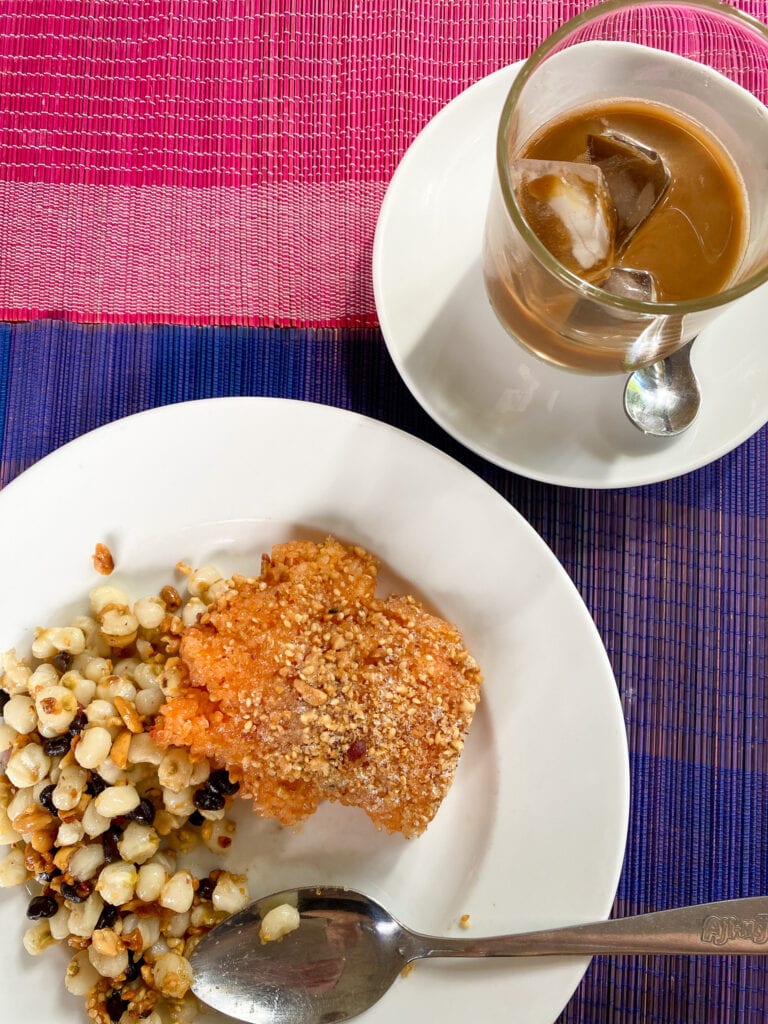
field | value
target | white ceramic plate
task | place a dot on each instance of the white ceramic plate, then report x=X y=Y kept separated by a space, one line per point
x=531 y=834
x=485 y=389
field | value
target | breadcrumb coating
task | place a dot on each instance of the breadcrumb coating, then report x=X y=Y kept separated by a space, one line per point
x=306 y=687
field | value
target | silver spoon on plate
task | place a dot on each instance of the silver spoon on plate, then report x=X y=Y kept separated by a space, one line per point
x=662 y=398
x=347 y=950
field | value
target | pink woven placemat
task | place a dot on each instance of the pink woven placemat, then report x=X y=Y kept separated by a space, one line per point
x=214 y=161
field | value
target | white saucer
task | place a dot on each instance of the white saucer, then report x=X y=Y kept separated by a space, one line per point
x=482 y=387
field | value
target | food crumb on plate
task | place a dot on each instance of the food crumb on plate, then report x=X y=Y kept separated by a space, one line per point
x=464 y=921
x=103 y=560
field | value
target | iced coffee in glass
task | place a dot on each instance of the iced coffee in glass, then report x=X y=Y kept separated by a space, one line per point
x=630 y=203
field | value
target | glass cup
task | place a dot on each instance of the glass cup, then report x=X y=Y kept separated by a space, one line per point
x=703 y=59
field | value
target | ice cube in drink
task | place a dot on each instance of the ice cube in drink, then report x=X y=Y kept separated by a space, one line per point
x=569 y=208
x=636 y=176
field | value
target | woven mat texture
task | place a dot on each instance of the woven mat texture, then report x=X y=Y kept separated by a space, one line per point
x=204 y=179
x=223 y=161
x=674 y=575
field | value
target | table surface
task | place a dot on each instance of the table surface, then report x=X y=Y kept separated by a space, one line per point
x=122 y=185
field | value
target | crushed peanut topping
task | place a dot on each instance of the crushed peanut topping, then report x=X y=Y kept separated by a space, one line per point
x=103 y=561
x=308 y=687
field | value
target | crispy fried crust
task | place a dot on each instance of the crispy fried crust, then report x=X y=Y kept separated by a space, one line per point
x=307 y=687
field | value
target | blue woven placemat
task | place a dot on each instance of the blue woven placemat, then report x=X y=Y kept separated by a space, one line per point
x=674 y=575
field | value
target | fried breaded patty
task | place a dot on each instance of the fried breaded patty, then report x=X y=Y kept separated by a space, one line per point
x=308 y=687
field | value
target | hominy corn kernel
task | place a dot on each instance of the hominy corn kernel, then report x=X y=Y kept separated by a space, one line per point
x=84 y=917
x=83 y=689
x=7 y=736
x=37 y=938
x=172 y=975
x=138 y=843
x=143 y=749
x=97 y=669
x=81 y=975
x=86 y=861
x=103 y=713
x=110 y=772
x=204 y=916
x=199 y=580
x=148 y=928
x=59 y=923
x=181 y=802
x=149 y=701
x=69 y=788
x=8 y=834
x=278 y=922
x=107 y=942
x=145 y=675
x=116 y=686
x=230 y=893
x=15 y=674
x=117 y=800
x=108 y=966
x=117 y=883
x=119 y=628
x=94 y=824
x=177 y=925
x=56 y=706
x=178 y=892
x=150 y=882
x=175 y=770
x=94 y=746
x=49 y=642
x=183 y=1011
x=70 y=832
x=192 y=611
x=20 y=714
x=12 y=869
x=105 y=595
x=44 y=675
x=149 y=611
x=200 y=772
x=28 y=765
x=218 y=835
x=21 y=800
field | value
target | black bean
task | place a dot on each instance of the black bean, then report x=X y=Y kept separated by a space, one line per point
x=45 y=800
x=63 y=661
x=78 y=723
x=44 y=877
x=208 y=799
x=115 y=1005
x=205 y=888
x=4 y=698
x=57 y=746
x=133 y=968
x=77 y=893
x=109 y=841
x=96 y=785
x=195 y=818
x=107 y=917
x=220 y=782
x=144 y=814
x=41 y=906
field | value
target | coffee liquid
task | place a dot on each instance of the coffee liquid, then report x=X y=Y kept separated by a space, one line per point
x=693 y=240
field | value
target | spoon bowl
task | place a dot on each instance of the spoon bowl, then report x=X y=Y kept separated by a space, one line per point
x=348 y=950
x=663 y=399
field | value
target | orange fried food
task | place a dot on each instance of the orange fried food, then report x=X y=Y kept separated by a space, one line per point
x=308 y=687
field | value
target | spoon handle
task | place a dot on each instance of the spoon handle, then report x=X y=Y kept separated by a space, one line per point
x=729 y=926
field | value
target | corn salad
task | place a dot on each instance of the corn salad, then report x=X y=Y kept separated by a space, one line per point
x=95 y=818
